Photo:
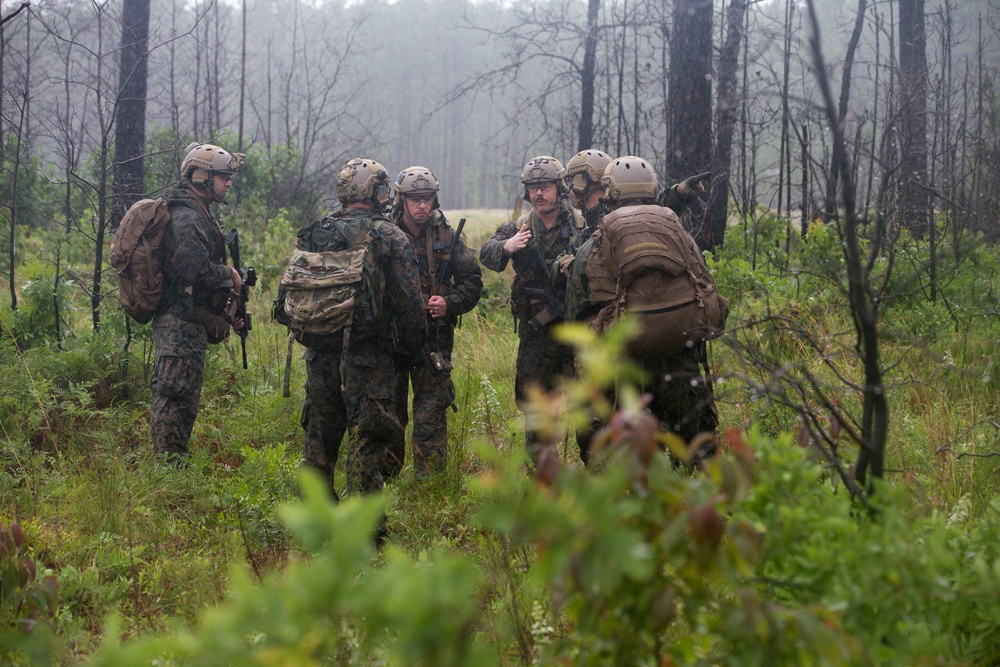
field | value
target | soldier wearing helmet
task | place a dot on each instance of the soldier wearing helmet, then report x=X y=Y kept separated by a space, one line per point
x=584 y=180
x=637 y=230
x=350 y=374
x=531 y=244
x=197 y=286
x=583 y=176
x=451 y=283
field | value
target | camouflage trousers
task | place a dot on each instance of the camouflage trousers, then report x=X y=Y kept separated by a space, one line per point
x=433 y=394
x=362 y=409
x=682 y=397
x=542 y=362
x=178 y=375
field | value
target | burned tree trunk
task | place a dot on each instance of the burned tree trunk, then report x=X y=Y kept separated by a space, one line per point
x=833 y=176
x=130 y=111
x=914 y=202
x=725 y=121
x=585 y=129
x=689 y=107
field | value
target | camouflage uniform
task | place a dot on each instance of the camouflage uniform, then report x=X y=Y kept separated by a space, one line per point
x=675 y=201
x=682 y=396
x=350 y=391
x=541 y=360
x=433 y=390
x=578 y=305
x=197 y=284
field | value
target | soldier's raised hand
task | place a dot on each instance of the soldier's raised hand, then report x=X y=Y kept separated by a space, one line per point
x=693 y=186
x=518 y=241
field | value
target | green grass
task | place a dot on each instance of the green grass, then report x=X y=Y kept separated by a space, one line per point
x=127 y=536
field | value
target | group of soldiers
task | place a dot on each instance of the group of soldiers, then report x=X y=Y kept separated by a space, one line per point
x=358 y=380
x=567 y=232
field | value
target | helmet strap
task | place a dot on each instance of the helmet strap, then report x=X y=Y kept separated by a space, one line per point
x=201 y=180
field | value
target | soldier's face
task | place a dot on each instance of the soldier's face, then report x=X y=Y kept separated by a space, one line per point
x=417 y=209
x=544 y=197
x=221 y=184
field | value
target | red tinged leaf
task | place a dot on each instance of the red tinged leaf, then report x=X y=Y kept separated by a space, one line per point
x=706 y=525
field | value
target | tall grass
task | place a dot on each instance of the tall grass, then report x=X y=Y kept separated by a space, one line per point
x=124 y=534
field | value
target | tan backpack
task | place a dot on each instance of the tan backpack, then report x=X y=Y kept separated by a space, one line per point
x=135 y=257
x=330 y=291
x=658 y=277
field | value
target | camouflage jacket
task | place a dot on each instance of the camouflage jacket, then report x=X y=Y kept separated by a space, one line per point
x=193 y=257
x=578 y=306
x=552 y=242
x=670 y=198
x=434 y=245
x=402 y=305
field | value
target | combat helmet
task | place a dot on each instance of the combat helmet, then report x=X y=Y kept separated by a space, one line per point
x=540 y=170
x=417 y=181
x=585 y=170
x=629 y=177
x=364 y=180
x=203 y=160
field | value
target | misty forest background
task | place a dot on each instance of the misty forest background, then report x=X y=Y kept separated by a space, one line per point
x=853 y=517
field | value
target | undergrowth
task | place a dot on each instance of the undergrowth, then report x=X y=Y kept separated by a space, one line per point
x=761 y=560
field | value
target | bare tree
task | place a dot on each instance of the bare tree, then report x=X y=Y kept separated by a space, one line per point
x=588 y=72
x=130 y=110
x=914 y=201
x=689 y=135
x=20 y=146
x=725 y=120
x=833 y=175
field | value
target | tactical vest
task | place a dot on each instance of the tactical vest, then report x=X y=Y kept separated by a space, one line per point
x=578 y=307
x=432 y=248
x=524 y=306
x=647 y=266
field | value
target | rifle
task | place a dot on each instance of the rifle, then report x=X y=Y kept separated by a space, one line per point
x=444 y=271
x=530 y=265
x=437 y=363
x=440 y=280
x=249 y=276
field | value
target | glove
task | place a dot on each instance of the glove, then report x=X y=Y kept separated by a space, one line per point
x=693 y=186
x=564 y=262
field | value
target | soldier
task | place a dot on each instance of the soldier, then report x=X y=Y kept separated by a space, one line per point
x=583 y=180
x=671 y=281
x=545 y=231
x=451 y=282
x=350 y=373
x=584 y=172
x=197 y=286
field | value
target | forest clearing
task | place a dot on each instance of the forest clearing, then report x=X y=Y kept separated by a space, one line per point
x=849 y=162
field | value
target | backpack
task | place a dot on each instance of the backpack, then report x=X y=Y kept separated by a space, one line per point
x=660 y=279
x=333 y=290
x=135 y=257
